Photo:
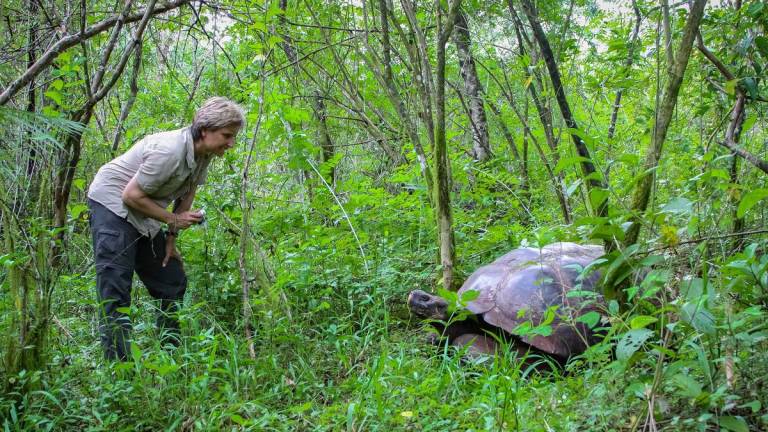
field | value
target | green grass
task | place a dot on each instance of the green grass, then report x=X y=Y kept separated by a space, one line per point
x=351 y=358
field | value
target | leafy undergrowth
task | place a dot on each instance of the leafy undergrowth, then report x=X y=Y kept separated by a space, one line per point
x=345 y=354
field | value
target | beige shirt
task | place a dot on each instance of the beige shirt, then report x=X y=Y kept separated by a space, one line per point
x=165 y=168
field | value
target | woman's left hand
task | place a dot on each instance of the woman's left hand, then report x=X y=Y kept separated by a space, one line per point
x=170 y=250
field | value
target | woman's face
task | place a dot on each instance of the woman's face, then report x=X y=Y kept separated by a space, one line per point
x=220 y=140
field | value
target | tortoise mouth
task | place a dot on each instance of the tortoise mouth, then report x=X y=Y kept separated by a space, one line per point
x=425 y=305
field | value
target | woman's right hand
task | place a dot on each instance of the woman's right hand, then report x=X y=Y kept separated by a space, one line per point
x=184 y=220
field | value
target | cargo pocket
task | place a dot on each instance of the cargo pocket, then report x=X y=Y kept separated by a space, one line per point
x=110 y=247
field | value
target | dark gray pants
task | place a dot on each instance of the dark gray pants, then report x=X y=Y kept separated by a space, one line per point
x=118 y=251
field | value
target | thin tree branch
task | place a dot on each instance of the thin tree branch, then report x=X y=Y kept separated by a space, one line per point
x=71 y=40
x=131 y=98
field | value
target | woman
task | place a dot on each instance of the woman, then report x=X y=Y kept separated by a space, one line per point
x=129 y=199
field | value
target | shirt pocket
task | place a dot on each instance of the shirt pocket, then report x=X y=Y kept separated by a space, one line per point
x=172 y=187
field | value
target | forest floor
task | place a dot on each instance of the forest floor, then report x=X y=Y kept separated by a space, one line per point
x=357 y=361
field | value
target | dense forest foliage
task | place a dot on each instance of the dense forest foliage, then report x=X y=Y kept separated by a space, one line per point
x=393 y=145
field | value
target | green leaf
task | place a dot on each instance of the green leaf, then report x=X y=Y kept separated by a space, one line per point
x=613 y=307
x=567 y=162
x=755 y=8
x=734 y=423
x=588 y=140
x=590 y=319
x=642 y=321
x=298 y=409
x=135 y=353
x=597 y=197
x=730 y=86
x=743 y=46
x=572 y=187
x=631 y=342
x=678 y=205
x=755 y=406
x=295 y=115
x=688 y=386
x=692 y=289
x=469 y=295
x=749 y=122
x=77 y=209
x=57 y=84
x=54 y=96
x=273 y=40
x=238 y=419
x=762 y=45
x=749 y=200
x=699 y=317
x=351 y=416
x=751 y=86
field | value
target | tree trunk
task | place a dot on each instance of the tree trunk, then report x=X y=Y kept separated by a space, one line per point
x=664 y=117
x=326 y=144
x=545 y=118
x=627 y=66
x=481 y=148
x=733 y=134
x=442 y=162
x=397 y=101
x=592 y=178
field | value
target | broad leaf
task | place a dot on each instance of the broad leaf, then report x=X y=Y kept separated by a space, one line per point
x=631 y=342
x=590 y=319
x=750 y=200
x=699 y=317
x=642 y=321
x=733 y=423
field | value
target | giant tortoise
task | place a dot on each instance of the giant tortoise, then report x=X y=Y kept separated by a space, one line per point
x=516 y=294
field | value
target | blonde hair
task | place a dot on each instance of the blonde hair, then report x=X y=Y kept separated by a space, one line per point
x=216 y=113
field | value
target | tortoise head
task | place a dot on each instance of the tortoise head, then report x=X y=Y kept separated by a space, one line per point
x=425 y=305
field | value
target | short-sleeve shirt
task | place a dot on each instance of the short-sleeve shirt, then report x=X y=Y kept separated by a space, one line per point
x=165 y=168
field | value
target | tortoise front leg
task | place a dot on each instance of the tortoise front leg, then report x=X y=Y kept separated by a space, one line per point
x=476 y=344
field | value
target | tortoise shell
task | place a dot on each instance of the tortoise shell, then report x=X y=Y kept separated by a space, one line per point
x=522 y=285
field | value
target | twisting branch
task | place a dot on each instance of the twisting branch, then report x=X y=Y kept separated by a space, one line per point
x=714 y=60
x=754 y=160
x=96 y=81
x=127 y=53
x=554 y=73
x=71 y=40
x=131 y=98
x=627 y=67
x=216 y=42
x=73 y=142
x=731 y=141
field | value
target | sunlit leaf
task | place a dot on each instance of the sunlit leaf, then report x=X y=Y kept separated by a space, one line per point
x=734 y=423
x=749 y=200
x=590 y=319
x=631 y=342
x=642 y=321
